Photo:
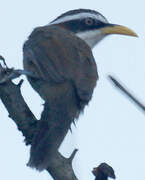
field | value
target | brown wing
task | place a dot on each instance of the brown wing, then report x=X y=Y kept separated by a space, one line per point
x=60 y=56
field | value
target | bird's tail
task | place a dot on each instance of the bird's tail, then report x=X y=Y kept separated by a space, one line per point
x=56 y=121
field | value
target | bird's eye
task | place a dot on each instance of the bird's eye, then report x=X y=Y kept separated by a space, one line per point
x=89 y=21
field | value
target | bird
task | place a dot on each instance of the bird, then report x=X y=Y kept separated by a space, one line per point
x=60 y=56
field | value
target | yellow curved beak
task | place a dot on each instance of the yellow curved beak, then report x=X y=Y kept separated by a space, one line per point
x=118 y=29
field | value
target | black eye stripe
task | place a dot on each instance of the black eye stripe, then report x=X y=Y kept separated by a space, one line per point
x=80 y=25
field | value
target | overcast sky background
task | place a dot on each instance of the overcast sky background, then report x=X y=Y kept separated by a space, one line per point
x=112 y=129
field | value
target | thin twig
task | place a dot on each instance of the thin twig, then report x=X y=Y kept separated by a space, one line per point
x=73 y=155
x=127 y=93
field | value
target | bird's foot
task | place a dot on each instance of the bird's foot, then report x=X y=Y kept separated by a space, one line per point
x=7 y=74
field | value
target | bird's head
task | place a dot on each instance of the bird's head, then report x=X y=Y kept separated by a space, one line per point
x=90 y=25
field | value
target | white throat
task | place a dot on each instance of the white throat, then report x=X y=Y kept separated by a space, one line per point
x=91 y=37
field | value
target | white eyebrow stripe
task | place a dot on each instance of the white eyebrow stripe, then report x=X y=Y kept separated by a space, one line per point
x=80 y=16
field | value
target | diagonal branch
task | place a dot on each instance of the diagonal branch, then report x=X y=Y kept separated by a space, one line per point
x=11 y=97
x=127 y=93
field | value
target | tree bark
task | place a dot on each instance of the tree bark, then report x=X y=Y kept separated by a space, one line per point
x=59 y=167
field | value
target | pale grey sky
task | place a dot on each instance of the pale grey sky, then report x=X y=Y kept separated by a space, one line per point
x=112 y=129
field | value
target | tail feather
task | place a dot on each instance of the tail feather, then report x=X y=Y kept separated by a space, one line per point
x=39 y=147
x=57 y=117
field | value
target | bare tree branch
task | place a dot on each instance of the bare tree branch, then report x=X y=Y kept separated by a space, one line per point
x=59 y=167
x=12 y=99
x=127 y=93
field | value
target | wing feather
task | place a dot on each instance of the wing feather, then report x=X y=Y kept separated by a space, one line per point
x=59 y=56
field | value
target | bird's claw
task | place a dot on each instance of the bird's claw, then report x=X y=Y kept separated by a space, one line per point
x=10 y=74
